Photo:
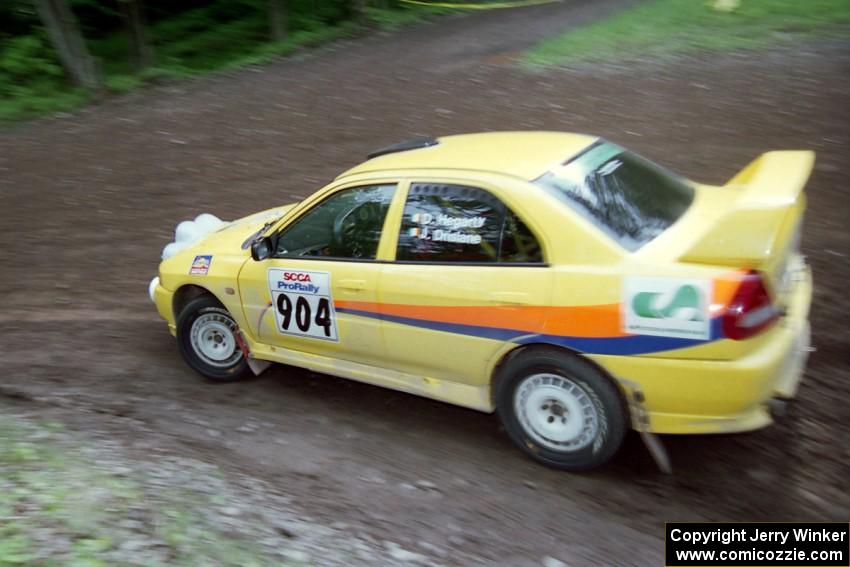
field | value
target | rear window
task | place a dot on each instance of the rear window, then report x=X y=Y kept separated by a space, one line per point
x=628 y=197
x=455 y=223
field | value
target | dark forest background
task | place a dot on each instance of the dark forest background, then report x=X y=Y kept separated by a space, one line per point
x=57 y=54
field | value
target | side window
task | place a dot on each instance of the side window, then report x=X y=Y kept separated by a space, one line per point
x=455 y=223
x=518 y=242
x=345 y=225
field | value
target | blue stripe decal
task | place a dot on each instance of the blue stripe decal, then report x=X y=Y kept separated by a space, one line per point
x=494 y=333
x=631 y=344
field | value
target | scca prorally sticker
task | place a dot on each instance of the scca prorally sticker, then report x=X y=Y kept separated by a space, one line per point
x=302 y=303
x=667 y=307
x=200 y=265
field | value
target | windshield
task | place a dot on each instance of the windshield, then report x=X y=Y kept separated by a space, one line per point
x=628 y=197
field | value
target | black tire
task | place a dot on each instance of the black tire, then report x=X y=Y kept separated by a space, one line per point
x=545 y=430
x=214 y=319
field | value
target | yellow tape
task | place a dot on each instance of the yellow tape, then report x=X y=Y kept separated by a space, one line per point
x=480 y=6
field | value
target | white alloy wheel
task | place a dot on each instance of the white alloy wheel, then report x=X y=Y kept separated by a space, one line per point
x=556 y=412
x=213 y=338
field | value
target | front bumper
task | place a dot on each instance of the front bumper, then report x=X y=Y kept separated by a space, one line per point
x=163 y=299
x=152 y=288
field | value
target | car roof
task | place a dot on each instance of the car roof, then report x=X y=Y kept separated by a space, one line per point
x=526 y=155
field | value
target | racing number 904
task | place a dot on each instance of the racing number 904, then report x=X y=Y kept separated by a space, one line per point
x=303 y=313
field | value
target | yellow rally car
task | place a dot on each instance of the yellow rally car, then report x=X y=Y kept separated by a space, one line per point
x=570 y=285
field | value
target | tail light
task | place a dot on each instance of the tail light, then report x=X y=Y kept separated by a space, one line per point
x=751 y=310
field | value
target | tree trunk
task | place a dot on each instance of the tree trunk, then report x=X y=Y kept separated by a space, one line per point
x=65 y=35
x=141 y=48
x=278 y=19
x=359 y=9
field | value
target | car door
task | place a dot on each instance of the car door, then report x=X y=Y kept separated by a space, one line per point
x=327 y=254
x=468 y=275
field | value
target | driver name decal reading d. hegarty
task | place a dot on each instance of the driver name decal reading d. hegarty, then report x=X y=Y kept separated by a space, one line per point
x=451 y=228
x=302 y=303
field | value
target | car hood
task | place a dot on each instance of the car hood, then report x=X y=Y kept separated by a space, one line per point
x=232 y=239
x=247 y=229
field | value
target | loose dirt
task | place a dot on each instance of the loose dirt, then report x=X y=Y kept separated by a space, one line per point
x=88 y=200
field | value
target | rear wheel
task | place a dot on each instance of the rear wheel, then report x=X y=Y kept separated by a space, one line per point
x=207 y=336
x=560 y=409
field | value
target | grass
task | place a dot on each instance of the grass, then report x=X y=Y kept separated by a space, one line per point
x=62 y=504
x=660 y=28
x=36 y=102
x=392 y=20
x=190 y=44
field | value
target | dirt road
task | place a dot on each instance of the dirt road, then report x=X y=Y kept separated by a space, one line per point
x=88 y=200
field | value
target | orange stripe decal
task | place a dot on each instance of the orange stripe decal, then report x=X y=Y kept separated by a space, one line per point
x=587 y=321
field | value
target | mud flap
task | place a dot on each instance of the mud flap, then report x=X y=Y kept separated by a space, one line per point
x=640 y=422
x=256 y=366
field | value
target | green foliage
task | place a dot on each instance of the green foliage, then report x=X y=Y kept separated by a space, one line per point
x=32 y=81
x=663 y=27
x=17 y=17
x=392 y=20
x=190 y=38
x=25 y=55
x=34 y=100
x=28 y=67
x=122 y=83
x=14 y=549
x=52 y=489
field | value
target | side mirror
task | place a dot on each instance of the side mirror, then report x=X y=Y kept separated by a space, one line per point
x=261 y=249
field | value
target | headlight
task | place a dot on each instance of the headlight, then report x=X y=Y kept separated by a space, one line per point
x=152 y=288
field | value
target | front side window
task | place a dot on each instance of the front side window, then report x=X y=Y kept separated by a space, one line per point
x=626 y=196
x=347 y=224
x=455 y=223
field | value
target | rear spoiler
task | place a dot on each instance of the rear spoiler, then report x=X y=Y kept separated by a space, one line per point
x=767 y=196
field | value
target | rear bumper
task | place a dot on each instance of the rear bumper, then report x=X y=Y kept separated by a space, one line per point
x=791 y=370
x=724 y=396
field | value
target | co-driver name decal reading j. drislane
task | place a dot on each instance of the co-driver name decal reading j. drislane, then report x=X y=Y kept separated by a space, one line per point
x=763 y=544
x=302 y=303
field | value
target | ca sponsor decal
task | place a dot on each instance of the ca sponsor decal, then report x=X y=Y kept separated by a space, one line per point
x=667 y=307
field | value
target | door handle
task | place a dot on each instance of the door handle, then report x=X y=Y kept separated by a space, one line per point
x=352 y=285
x=509 y=298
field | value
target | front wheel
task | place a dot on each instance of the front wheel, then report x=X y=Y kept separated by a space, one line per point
x=208 y=340
x=560 y=410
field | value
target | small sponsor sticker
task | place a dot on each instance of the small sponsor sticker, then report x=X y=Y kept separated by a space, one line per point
x=200 y=265
x=667 y=307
